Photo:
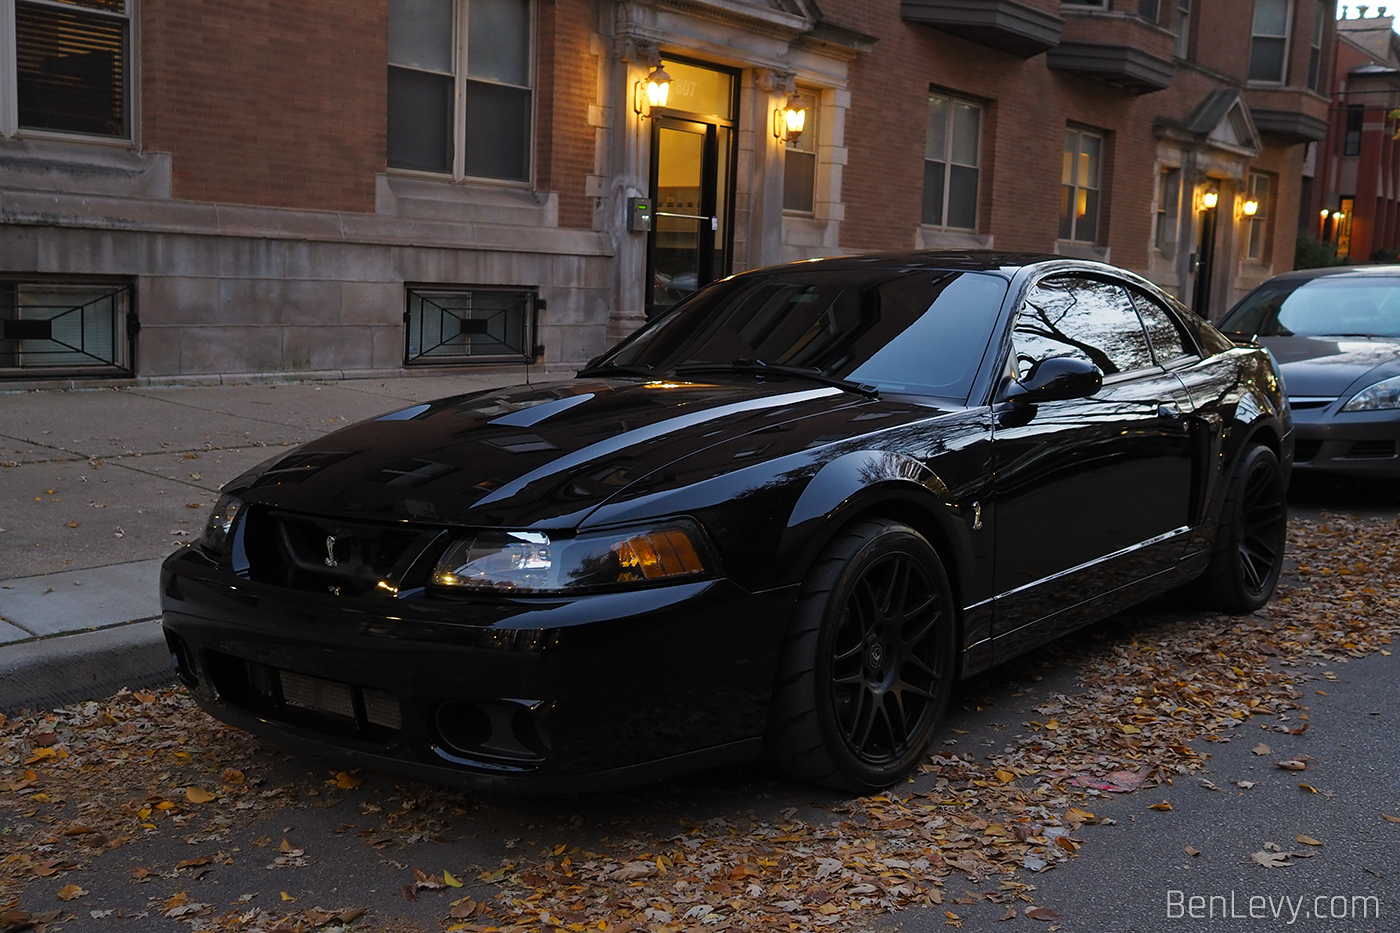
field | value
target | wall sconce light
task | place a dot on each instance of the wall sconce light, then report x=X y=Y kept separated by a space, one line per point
x=790 y=119
x=1249 y=208
x=651 y=92
x=1326 y=213
x=1209 y=198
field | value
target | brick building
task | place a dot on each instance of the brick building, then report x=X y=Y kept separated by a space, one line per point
x=190 y=188
x=1352 y=182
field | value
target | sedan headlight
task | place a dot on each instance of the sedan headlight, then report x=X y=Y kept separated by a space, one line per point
x=215 y=536
x=1384 y=394
x=530 y=562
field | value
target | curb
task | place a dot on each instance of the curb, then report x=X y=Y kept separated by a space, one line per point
x=49 y=672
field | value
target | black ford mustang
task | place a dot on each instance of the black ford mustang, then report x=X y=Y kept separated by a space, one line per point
x=779 y=521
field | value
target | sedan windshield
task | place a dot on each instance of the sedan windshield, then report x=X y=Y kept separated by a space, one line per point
x=1327 y=306
x=919 y=331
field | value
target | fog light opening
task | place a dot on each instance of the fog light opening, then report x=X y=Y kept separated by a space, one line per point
x=182 y=660
x=498 y=730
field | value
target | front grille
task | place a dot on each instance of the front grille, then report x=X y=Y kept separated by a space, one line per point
x=312 y=702
x=1371 y=450
x=314 y=554
x=1303 y=451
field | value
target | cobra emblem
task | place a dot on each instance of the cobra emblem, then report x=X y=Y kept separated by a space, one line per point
x=330 y=552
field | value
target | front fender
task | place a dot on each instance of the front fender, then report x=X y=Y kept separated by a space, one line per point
x=884 y=483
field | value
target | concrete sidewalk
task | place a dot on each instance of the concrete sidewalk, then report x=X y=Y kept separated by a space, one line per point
x=97 y=486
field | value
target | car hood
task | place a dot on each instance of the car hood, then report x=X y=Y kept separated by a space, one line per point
x=1329 y=367
x=541 y=456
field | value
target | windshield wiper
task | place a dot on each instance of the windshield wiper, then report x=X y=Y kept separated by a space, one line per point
x=614 y=368
x=758 y=367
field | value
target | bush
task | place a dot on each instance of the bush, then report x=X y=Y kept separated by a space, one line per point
x=1312 y=253
x=1386 y=255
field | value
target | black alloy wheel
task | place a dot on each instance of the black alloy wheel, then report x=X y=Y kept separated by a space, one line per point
x=1249 y=546
x=868 y=664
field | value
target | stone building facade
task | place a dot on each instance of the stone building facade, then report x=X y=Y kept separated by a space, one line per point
x=195 y=190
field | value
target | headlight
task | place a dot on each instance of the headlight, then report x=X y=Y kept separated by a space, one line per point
x=530 y=562
x=215 y=536
x=1384 y=394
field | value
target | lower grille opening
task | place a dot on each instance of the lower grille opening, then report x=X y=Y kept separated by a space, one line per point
x=1371 y=450
x=315 y=703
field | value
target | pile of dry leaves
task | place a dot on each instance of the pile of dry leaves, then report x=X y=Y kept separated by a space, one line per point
x=86 y=779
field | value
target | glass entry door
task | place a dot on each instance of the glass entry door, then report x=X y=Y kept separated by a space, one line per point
x=691 y=156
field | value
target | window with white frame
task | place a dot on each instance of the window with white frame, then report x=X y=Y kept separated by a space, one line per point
x=1080 y=178
x=461 y=87
x=1168 y=202
x=1183 y=28
x=1268 y=50
x=800 y=161
x=70 y=68
x=1315 y=53
x=1260 y=186
x=952 y=159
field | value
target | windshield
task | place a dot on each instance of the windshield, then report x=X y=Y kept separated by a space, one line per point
x=1328 y=306
x=916 y=331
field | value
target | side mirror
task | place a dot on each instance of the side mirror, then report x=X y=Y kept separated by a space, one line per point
x=1056 y=379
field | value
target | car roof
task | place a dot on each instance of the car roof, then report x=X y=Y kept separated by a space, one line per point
x=1344 y=271
x=1007 y=263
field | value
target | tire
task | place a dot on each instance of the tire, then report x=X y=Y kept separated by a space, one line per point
x=868 y=661
x=1249 y=543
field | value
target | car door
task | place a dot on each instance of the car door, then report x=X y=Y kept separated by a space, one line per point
x=1090 y=494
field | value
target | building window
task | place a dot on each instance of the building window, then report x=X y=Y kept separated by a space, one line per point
x=1168 y=203
x=64 y=327
x=1079 y=190
x=453 y=324
x=1147 y=9
x=1260 y=186
x=1183 y=28
x=1351 y=142
x=800 y=161
x=1268 y=50
x=461 y=93
x=72 y=69
x=1315 y=55
x=952 y=155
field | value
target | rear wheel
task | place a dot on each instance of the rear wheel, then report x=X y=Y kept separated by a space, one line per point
x=1248 y=556
x=868 y=662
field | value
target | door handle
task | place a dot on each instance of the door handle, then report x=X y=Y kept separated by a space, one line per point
x=714 y=220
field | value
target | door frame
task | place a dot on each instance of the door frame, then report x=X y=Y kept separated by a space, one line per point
x=710 y=201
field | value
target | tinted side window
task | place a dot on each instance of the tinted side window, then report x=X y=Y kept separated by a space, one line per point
x=1167 y=343
x=1084 y=318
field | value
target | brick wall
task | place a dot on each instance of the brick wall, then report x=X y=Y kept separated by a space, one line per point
x=266 y=103
x=568 y=84
x=1028 y=107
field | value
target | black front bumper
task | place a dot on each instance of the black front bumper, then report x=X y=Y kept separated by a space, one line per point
x=538 y=695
